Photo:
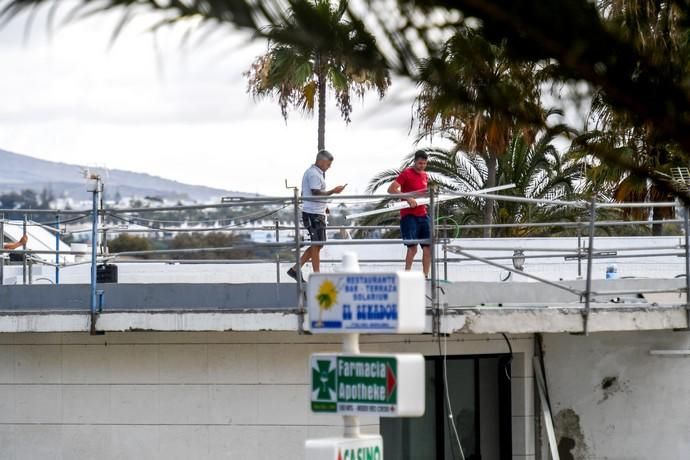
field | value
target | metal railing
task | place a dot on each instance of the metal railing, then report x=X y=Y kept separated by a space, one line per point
x=100 y=229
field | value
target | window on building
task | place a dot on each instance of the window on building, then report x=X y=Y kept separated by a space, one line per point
x=479 y=392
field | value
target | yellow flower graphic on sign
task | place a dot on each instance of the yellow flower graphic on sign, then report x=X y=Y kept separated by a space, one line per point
x=327 y=295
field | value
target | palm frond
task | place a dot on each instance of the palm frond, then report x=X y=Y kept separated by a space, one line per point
x=382 y=178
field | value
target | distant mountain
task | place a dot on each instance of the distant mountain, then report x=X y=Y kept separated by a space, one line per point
x=19 y=172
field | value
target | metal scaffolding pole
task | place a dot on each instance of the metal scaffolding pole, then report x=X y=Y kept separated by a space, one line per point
x=96 y=189
x=434 y=276
x=298 y=267
x=590 y=251
x=277 y=257
x=24 y=259
x=686 y=220
x=57 y=247
x=2 y=245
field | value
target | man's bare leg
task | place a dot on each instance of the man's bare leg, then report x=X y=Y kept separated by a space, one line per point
x=316 y=258
x=312 y=253
x=409 y=257
x=306 y=257
x=426 y=260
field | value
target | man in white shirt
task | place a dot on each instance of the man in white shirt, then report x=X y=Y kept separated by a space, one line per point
x=314 y=211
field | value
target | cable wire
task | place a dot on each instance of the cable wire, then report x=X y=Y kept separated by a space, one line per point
x=444 y=354
x=182 y=221
x=45 y=224
x=507 y=365
x=162 y=229
x=133 y=219
x=457 y=226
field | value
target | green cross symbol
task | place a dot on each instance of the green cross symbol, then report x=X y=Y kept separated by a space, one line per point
x=323 y=379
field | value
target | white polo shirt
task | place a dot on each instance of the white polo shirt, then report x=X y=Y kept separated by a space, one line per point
x=314 y=179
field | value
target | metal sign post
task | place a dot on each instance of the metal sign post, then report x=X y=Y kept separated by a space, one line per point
x=351 y=383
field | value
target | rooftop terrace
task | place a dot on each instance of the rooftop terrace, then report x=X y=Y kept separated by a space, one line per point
x=517 y=285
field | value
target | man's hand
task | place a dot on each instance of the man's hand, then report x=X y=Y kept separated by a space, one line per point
x=12 y=246
x=338 y=189
x=412 y=202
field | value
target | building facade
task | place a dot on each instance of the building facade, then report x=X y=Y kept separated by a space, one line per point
x=222 y=372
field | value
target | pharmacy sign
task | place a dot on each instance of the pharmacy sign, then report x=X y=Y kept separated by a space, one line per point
x=367 y=384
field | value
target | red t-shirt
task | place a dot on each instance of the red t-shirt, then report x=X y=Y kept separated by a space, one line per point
x=411 y=180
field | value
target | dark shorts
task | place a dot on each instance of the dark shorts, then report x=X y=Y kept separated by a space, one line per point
x=415 y=228
x=315 y=225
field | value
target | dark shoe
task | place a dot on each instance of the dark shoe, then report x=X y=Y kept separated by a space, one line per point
x=292 y=273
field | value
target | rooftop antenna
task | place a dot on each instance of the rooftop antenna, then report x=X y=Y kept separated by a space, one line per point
x=90 y=173
x=95 y=183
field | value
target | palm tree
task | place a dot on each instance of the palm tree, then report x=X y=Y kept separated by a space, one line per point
x=536 y=168
x=622 y=144
x=641 y=69
x=638 y=80
x=635 y=147
x=538 y=171
x=315 y=47
x=476 y=96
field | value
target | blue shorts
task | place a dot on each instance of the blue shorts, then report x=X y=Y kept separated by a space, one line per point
x=415 y=228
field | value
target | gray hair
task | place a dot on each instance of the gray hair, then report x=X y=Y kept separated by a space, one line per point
x=324 y=155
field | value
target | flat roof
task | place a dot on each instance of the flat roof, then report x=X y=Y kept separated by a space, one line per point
x=469 y=307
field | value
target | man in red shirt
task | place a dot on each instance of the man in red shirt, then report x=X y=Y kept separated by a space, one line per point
x=414 y=221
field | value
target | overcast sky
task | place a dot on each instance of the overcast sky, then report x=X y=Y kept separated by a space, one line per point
x=149 y=103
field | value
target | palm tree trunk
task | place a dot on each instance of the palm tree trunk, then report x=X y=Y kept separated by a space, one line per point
x=321 y=86
x=489 y=203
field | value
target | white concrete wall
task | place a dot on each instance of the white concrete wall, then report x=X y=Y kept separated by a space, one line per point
x=612 y=400
x=188 y=396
